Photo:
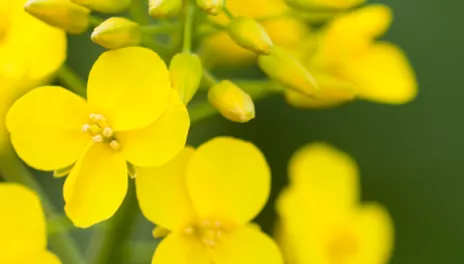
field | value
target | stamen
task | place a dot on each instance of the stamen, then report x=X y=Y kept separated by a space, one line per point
x=115 y=145
x=108 y=132
x=95 y=128
x=85 y=128
x=97 y=138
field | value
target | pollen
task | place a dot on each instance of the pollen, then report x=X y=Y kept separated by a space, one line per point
x=209 y=232
x=100 y=131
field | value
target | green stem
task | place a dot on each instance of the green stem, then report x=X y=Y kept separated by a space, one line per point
x=58 y=223
x=117 y=233
x=188 y=28
x=160 y=29
x=209 y=78
x=228 y=13
x=139 y=12
x=13 y=170
x=142 y=251
x=71 y=80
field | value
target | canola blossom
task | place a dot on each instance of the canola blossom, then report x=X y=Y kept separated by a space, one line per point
x=207 y=219
x=22 y=225
x=131 y=115
x=321 y=217
x=24 y=66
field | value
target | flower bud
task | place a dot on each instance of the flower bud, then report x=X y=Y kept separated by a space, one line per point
x=233 y=103
x=105 y=6
x=60 y=13
x=116 y=33
x=186 y=73
x=212 y=7
x=249 y=34
x=284 y=67
x=164 y=8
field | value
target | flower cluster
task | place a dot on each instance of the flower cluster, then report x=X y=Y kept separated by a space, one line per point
x=131 y=124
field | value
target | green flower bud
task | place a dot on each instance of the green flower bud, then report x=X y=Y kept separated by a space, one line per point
x=212 y=7
x=249 y=34
x=105 y=6
x=186 y=73
x=63 y=14
x=233 y=103
x=116 y=33
x=284 y=67
x=164 y=8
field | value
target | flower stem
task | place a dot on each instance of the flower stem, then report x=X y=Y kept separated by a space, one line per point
x=118 y=232
x=71 y=80
x=188 y=28
x=13 y=170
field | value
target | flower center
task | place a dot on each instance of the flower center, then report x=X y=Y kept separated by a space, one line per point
x=343 y=247
x=208 y=231
x=100 y=131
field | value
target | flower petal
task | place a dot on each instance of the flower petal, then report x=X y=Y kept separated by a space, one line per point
x=162 y=193
x=247 y=245
x=324 y=175
x=22 y=225
x=228 y=179
x=96 y=186
x=45 y=257
x=129 y=86
x=181 y=249
x=382 y=74
x=45 y=126
x=159 y=142
x=376 y=234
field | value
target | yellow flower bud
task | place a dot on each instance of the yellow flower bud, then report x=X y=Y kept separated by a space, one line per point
x=249 y=34
x=233 y=103
x=186 y=72
x=116 y=33
x=60 y=13
x=284 y=67
x=105 y=6
x=164 y=8
x=212 y=7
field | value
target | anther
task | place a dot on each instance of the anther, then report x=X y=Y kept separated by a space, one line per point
x=108 y=132
x=97 y=138
x=85 y=128
x=189 y=230
x=115 y=145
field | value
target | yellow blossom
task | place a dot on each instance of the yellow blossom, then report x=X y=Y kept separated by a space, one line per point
x=374 y=70
x=131 y=115
x=220 y=50
x=116 y=33
x=23 y=238
x=321 y=218
x=328 y=4
x=105 y=6
x=22 y=65
x=206 y=198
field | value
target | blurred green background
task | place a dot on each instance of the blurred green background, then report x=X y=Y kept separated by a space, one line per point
x=410 y=156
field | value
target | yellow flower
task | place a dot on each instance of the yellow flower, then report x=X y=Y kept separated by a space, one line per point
x=220 y=50
x=321 y=4
x=206 y=198
x=373 y=70
x=23 y=238
x=132 y=114
x=321 y=218
x=22 y=65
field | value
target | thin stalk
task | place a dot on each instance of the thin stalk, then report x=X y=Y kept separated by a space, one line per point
x=13 y=170
x=71 y=80
x=139 y=12
x=228 y=13
x=118 y=232
x=188 y=28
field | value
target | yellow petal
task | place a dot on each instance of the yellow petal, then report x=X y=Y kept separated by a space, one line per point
x=325 y=175
x=159 y=142
x=181 y=249
x=162 y=193
x=228 y=179
x=45 y=127
x=247 y=245
x=376 y=234
x=129 y=86
x=96 y=186
x=22 y=225
x=39 y=60
x=382 y=74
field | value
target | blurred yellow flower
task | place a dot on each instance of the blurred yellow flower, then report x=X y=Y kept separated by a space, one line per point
x=330 y=4
x=23 y=65
x=345 y=56
x=220 y=50
x=23 y=238
x=132 y=114
x=321 y=218
x=206 y=198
